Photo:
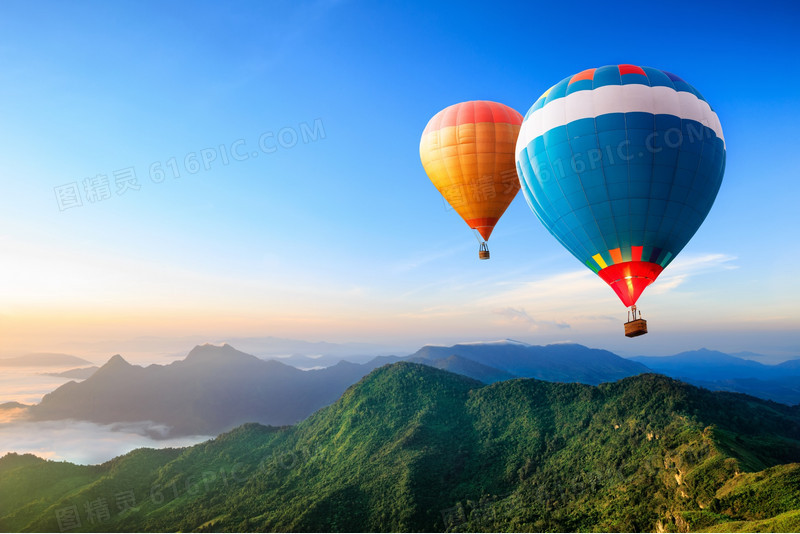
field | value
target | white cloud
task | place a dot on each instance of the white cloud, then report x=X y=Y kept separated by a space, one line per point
x=571 y=291
x=576 y=299
x=576 y=291
x=83 y=442
x=682 y=269
x=520 y=316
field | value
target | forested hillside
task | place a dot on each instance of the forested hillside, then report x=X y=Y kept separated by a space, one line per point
x=413 y=448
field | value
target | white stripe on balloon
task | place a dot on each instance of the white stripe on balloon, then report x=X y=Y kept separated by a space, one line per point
x=658 y=100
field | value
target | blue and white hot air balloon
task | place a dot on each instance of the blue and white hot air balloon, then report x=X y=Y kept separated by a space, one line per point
x=621 y=164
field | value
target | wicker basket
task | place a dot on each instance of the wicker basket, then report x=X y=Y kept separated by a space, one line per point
x=635 y=328
x=483 y=254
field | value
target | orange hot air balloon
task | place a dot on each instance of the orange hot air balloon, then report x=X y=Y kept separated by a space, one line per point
x=467 y=150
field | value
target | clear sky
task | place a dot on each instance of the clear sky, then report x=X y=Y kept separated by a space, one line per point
x=308 y=213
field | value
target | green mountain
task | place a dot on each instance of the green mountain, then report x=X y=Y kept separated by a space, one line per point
x=463 y=366
x=413 y=448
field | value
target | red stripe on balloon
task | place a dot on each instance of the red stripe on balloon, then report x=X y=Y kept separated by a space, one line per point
x=630 y=278
x=631 y=69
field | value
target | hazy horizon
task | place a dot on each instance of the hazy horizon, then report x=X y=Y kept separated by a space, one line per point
x=145 y=350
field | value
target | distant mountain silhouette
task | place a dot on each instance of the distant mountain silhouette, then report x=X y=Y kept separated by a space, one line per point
x=724 y=372
x=210 y=391
x=43 y=359
x=790 y=365
x=79 y=372
x=699 y=364
x=454 y=364
x=309 y=354
x=785 y=390
x=555 y=363
x=216 y=388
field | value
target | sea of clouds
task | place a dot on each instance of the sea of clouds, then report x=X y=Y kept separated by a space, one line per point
x=84 y=442
x=80 y=442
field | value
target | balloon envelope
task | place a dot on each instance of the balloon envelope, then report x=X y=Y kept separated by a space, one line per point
x=621 y=164
x=467 y=150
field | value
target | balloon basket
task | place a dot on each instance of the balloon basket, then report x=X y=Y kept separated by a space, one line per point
x=483 y=252
x=637 y=327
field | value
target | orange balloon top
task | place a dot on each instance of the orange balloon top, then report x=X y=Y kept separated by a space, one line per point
x=467 y=149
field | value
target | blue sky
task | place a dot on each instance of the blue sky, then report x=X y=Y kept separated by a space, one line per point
x=329 y=229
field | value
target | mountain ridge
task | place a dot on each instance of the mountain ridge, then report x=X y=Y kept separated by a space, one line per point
x=212 y=390
x=215 y=388
x=555 y=362
x=724 y=372
x=411 y=448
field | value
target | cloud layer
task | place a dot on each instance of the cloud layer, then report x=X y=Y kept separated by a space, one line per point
x=83 y=442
